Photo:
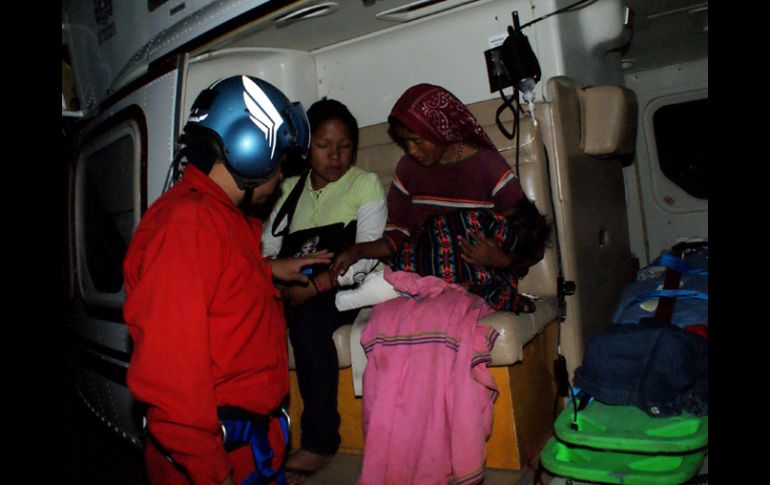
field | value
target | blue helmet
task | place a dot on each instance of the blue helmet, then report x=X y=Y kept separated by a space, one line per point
x=255 y=123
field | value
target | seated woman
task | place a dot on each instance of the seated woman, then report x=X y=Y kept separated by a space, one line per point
x=333 y=191
x=449 y=163
x=435 y=251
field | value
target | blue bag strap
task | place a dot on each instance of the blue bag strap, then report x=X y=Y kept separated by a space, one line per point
x=680 y=294
x=670 y=261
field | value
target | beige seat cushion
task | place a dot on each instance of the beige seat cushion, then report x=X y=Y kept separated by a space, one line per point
x=517 y=330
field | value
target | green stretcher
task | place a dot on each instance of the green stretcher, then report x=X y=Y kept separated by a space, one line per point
x=622 y=444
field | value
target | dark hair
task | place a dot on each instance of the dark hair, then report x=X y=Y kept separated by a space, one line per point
x=201 y=148
x=394 y=123
x=532 y=228
x=320 y=112
x=325 y=110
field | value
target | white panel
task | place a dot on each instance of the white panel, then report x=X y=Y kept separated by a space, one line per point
x=415 y=10
x=158 y=100
x=114 y=41
x=654 y=225
x=370 y=73
x=293 y=72
x=677 y=200
x=587 y=35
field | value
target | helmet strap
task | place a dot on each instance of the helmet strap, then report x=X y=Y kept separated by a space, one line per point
x=245 y=203
x=250 y=183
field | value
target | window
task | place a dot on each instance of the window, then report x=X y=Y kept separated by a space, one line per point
x=69 y=93
x=107 y=210
x=681 y=142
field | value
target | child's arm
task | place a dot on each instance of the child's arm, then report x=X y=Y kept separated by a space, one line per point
x=487 y=254
x=379 y=249
x=371 y=219
x=484 y=252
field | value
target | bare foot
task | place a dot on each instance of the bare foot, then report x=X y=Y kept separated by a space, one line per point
x=294 y=478
x=302 y=464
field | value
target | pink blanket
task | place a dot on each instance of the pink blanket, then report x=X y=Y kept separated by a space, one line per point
x=427 y=393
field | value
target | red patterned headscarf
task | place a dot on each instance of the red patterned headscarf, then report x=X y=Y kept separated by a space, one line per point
x=435 y=114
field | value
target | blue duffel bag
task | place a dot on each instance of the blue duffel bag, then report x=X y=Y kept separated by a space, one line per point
x=640 y=299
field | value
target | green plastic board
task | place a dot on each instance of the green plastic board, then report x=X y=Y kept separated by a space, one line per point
x=628 y=428
x=589 y=465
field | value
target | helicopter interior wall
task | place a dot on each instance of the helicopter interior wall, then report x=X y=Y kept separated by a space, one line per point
x=660 y=212
x=155 y=101
x=370 y=73
x=294 y=72
x=589 y=42
x=101 y=335
x=114 y=42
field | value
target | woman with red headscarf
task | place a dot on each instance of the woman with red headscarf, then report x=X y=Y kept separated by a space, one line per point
x=449 y=163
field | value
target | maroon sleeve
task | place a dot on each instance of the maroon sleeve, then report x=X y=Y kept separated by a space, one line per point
x=505 y=186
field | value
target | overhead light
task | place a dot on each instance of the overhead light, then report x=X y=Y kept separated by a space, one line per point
x=627 y=63
x=419 y=9
x=306 y=13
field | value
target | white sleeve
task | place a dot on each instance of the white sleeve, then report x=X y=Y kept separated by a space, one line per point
x=370 y=224
x=374 y=289
x=271 y=245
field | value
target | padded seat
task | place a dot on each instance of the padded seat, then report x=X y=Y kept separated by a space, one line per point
x=517 y=330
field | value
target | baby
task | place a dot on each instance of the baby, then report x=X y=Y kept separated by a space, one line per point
x=435 y=251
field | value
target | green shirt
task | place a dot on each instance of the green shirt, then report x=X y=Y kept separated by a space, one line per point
x=339 y=201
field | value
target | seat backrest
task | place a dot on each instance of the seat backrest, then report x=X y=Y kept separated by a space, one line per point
x=589 y=133
x=533 y=176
